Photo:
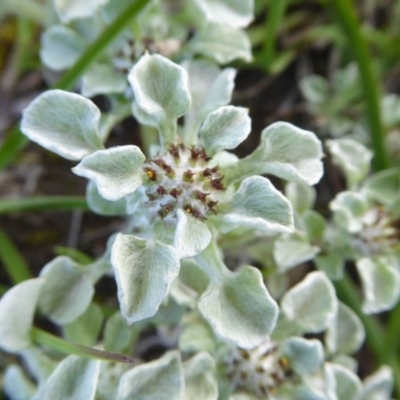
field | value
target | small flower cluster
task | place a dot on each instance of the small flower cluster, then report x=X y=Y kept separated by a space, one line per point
x=260 y=371
x=182 y=179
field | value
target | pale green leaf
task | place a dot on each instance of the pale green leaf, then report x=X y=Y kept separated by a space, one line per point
x=61 y=47
x=200 y=381
x=62 y=122
x=191 y=236
x=144 y=271
x=85 y=329
x=161 y=90
x=315 y=89
x=17 y=386
x=348 y=384
x=118 y=335
x=236 y=13
x=221 y=43
x=102 y=78
x=239 y=307
x=352 y=157
x=161 y=379
x=75 y=378
x=224 y=129
x=288 y=152
x=381 y=284
x=345 y=333
x=291 y=250
x=379 y=385
x=305 y=356
x=68 y=10
x=116 y=171
x=311 y=304
x=100 y=205
x=257 y=204
x=17 y=308
x=67 y=290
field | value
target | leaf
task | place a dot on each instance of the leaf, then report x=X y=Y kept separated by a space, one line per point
x=225 y=129
x=315 y=89
x=353 y=158
x=191 y=236
x=236 y=13
x=285 y=151
x=348 y=209
x=116 y=171
x=61 y=47
x=291 y=250
x=305 y=355
x=85 y=329
x=161 y=90
x=74 y=378
x=102 y=206
x=381 y=283
x=384 y=186
x=257 y=204
x=288 y=152
x=200 y=382
x=17 y=308
x=221 y=43
x=380 y=384
x=67 y=290
x=62 y=122
x=209 y=89
x=144 y=271
x=69 y=10
x=345 y=333
x=311 y=304
x=239 y=308
x=118 y=335
x=348 y=384
x=161 y=379
x=17 y=386
x=102 y=78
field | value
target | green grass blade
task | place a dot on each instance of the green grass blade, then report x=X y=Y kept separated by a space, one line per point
x=44 y=203
x=61 y=345
x=348 y=18
x=276 y=11
x=14 y=264
x=96 y=48
x=14 y=142
x=79 y=256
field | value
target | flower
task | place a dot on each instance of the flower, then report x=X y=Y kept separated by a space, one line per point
x=190 y=186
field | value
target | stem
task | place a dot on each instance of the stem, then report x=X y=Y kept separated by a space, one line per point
x=15 y=141
x=369 y=81
x=375 y=336
x=15 y=265
x=61 y=345
x=44 y=204
x=273 y=22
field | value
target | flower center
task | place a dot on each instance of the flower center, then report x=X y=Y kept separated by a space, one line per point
x=261 y=371
x=183 y=179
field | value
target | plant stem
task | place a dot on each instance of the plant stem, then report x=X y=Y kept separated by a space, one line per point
x=15 y=141
x=347 y=15
x=43 y=204
x=61 y=345
x=375 y=336
x=15 y=265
